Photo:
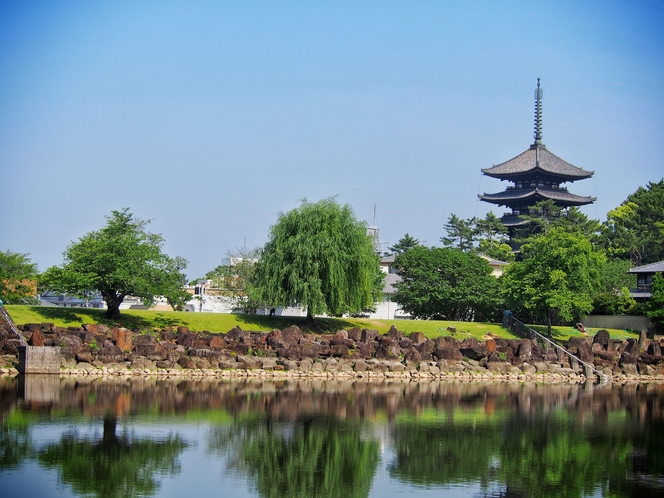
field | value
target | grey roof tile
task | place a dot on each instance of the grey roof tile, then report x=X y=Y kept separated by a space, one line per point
x=650 y=268
x=526 y=163
x=563 y=197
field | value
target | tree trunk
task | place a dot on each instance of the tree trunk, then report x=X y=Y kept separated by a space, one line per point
x=310 y=323
x=113 y=302
x=548 y=322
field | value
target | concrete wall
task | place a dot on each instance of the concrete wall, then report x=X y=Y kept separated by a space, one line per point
x=38 y=360
x=625 y=322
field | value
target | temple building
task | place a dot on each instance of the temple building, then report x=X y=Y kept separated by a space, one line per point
x=536 y=175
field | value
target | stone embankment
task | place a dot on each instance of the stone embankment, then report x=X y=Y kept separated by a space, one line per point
x=96 y=350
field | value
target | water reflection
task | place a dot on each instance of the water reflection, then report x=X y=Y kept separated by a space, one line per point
x=127 y=437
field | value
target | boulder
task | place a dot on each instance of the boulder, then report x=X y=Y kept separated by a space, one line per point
x=412 y=357
x=448 y=353
x=602 y=339
x=417 y=338
x=292 y=334
x=96 y=328
x=236 y=333
x=339 y=350
x=355 y=334
x=144 y=339
x=124 y=339
x=655 y=349
x=474 y=353
x=218 y=342
x=388 y=351
x=393 y=333
x=36 y=339
x=368 y=335
x=186 y=362
x=360 y=366
x=248 y=362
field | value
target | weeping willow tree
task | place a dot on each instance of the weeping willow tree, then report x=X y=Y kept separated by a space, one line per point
x=319 y=256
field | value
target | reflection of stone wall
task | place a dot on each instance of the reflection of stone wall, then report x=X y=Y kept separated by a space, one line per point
x=290 y=401
x=39 y=388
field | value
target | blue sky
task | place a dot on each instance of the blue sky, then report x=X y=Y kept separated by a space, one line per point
x=209 y=118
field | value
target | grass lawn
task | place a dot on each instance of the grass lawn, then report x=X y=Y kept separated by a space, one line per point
x=223 y=322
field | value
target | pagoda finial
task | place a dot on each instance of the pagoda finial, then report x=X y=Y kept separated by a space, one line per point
x=538 y=114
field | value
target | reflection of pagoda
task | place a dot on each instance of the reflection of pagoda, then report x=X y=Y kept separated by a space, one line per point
x=537 y=175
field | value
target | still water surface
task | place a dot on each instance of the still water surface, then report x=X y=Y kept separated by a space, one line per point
x=175 y=438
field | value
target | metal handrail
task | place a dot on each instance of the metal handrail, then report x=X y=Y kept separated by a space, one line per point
x=508 y=322
x=10 y=322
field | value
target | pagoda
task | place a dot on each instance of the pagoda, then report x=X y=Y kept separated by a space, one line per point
x=536 y=175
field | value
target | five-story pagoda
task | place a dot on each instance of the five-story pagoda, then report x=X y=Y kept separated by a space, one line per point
x=536 y=175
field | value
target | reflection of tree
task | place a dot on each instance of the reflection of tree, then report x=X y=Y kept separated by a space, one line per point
x=113 y=466
x=318 y=457
x=442 y=454
x=543 y=456
x=15 y=446
x=556 y=457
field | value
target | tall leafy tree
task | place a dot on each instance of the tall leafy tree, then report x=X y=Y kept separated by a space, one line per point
x=635 y=229
x=492 y=237
x=320 y=257
x=444 y=283
x=461 y=233
x=18 y=278
x=655 y=305
x=559 y=273
x=118 y=260
x=406 y=242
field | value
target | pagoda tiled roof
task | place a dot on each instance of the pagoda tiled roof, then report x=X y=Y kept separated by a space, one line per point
x=560 y=196
x=512 y=220
x=537 y=159
x=657 y=267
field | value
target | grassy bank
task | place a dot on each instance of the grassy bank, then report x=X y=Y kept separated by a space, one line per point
x=222 y=322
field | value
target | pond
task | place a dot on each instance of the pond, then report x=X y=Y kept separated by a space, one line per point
x=327 y=438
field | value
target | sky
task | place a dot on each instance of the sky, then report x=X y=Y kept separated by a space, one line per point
x=209 y=118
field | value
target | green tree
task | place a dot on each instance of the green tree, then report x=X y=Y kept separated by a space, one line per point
x=173 y=283
x=655 y=305
x=118 y=260
x=406 y=242
x=613 y=297
x=635 y=229
x=319 y=256
x=236 y=280
x=559 y=273
x=444 y=283
x=18 y=278
x=460 y=233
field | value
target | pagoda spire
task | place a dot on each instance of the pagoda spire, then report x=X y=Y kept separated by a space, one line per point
x=538 y=114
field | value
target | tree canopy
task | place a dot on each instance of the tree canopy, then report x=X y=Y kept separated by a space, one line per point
x=118 y=260
x=635 y=229
x=319 y=256
x=406 y=242
x=443 y=283
x=560 y=272
x=18 y=278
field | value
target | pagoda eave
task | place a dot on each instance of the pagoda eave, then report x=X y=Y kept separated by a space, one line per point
x=537 y=160
x=516 y=197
